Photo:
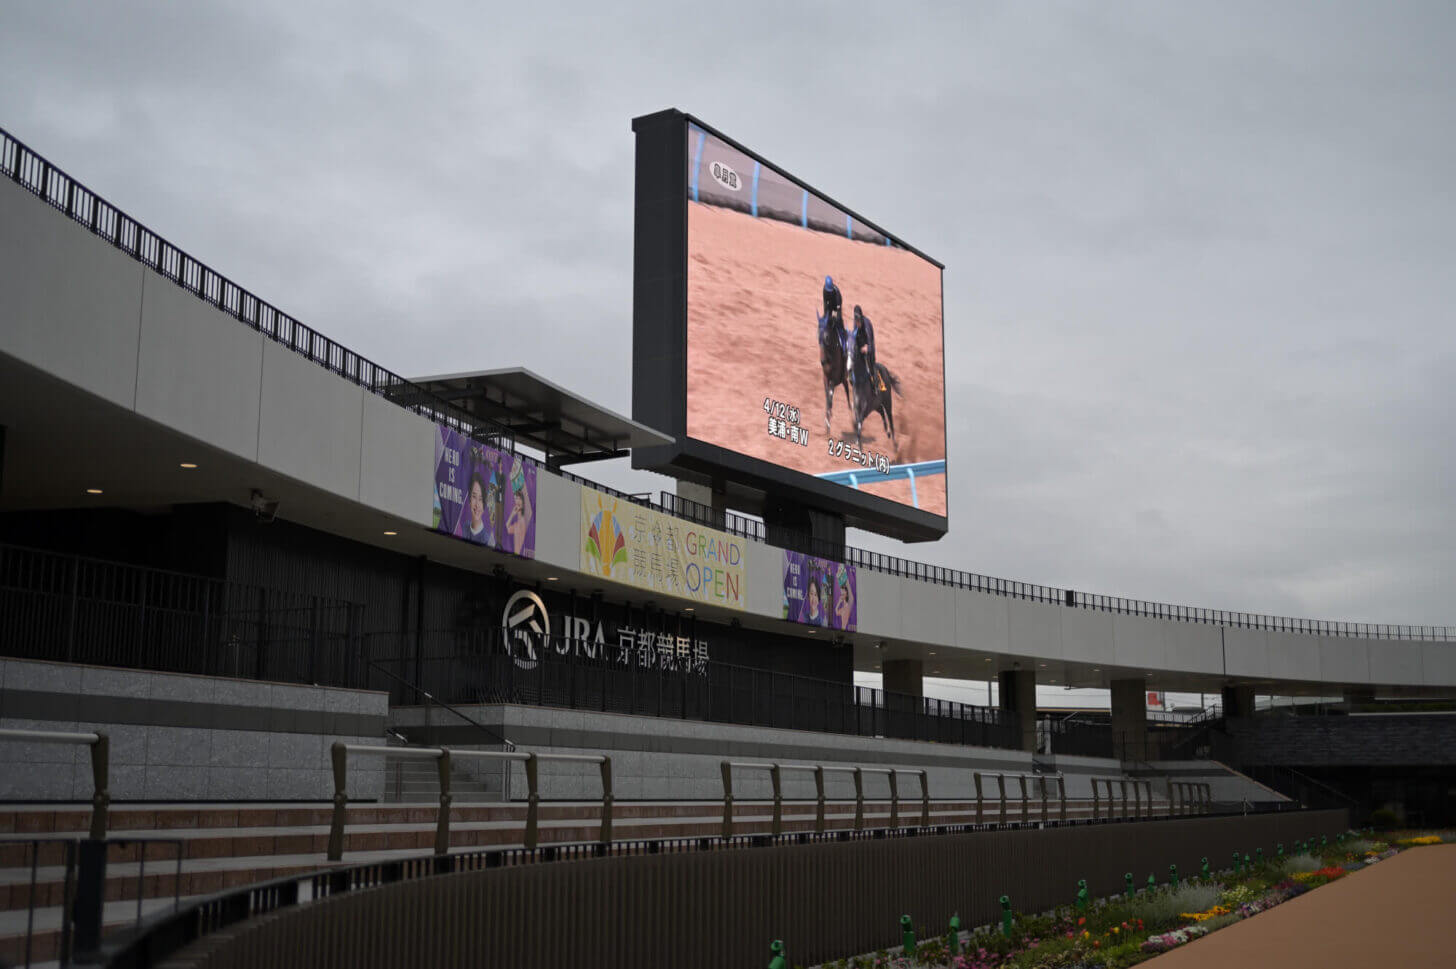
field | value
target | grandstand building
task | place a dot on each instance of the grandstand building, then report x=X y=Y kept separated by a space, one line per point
x=230 y=545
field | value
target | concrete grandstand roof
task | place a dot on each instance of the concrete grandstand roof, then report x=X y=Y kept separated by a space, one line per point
x=567 y=427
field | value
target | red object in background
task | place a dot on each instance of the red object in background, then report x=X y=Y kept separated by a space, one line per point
x=1155 y=699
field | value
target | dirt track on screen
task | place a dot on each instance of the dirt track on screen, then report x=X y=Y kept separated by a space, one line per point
x=754 y=292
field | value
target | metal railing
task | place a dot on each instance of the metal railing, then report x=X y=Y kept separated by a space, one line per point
x=443 y=757
x=36 y=174
x=73 y=608
x=476 y=667
x=100 y=747
x=776 y=771
x=83 y=919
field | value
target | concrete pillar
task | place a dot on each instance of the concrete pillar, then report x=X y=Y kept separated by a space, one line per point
x=1130 y=719
x=713 y=499
x=1018 y=696
x=904 y=676
x=1238 y=701
x=1359 y=694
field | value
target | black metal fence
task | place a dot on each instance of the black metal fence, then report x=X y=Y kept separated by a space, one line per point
x=36 y=174
x=70 y=608
x=475 y=667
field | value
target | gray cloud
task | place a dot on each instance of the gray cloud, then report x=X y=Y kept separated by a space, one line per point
x=1197 y=287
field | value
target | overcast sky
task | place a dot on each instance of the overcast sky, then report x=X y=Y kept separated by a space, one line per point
x=1199 y=257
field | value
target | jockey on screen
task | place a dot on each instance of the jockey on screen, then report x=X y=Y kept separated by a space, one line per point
x=864 y=343
x=833 y=304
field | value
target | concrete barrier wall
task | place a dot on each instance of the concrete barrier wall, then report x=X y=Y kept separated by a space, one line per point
x=183 y=738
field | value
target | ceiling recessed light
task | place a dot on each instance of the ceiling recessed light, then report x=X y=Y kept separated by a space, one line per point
x=93 y=491
x=811 y=632
x=687 y=608
x=391 y=533
x=1043 y=666
x=188 y=465
x=552 y=578
x=932 y=652
x=1097 y=669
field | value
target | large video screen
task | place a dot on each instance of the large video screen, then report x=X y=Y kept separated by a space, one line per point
x=814 y=341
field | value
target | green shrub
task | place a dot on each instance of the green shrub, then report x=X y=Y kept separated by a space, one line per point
x=1163 y=908
x=1384 y=819
x=1295 y=863
x=1358 y=846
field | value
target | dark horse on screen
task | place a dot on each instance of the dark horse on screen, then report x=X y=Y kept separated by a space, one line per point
x=833 y=360
x=871 y=395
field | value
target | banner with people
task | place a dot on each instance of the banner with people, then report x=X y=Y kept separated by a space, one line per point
x=642 y=547
x=483 y=495
x=820 y=592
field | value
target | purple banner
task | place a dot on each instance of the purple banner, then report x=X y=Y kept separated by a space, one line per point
x=484 y=496
x=820 y=592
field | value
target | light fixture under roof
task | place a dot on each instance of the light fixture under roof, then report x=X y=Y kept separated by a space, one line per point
x=188 y=465
x=687 y=608
x=391 y=533
x=552 y=578
x=93 y=491
x=811 y=632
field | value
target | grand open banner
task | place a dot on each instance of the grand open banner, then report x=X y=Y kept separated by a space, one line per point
x=639 y=546
x=484 y=496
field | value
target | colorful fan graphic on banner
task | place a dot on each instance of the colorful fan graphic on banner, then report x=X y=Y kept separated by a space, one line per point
x=643 y=547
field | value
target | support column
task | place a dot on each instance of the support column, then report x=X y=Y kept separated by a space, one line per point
x=1130 y=719
x=1359 y=694
x=1018 y=696
x=1238 y=701
x=713 y=497
x=904 y=676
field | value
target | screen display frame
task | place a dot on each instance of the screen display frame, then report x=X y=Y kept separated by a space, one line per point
x=660 y=357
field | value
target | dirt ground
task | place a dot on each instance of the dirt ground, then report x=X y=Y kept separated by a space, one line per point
x=754 y=292
x=1397 y=913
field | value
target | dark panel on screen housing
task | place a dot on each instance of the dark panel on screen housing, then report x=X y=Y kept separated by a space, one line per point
x=659 y=374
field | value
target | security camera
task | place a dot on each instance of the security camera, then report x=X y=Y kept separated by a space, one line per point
x=264 y=507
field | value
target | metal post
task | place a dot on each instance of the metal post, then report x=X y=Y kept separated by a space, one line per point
x=727 y=769
x=341 y=772
x=100 y=784
x=1001 y=787
x=1062 y=794
x=980 y=805
x=1025 y=799
x=90 y=894
x=924 y=799
x=778 y=799
x=1124 y=798
x=894 y=801
x=607 y=797
x=442 y=821
x=859 y=799
x=1043 y=799
x=533 y=798
x=819 y=798
x=1097 y=800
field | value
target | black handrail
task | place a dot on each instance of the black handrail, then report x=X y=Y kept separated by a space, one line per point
x=37 y=175
x=495 y=738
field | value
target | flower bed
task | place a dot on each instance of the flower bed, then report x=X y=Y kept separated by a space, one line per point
x=1123 y=930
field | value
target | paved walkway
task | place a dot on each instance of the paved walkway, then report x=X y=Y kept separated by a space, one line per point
x=1398 y=913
